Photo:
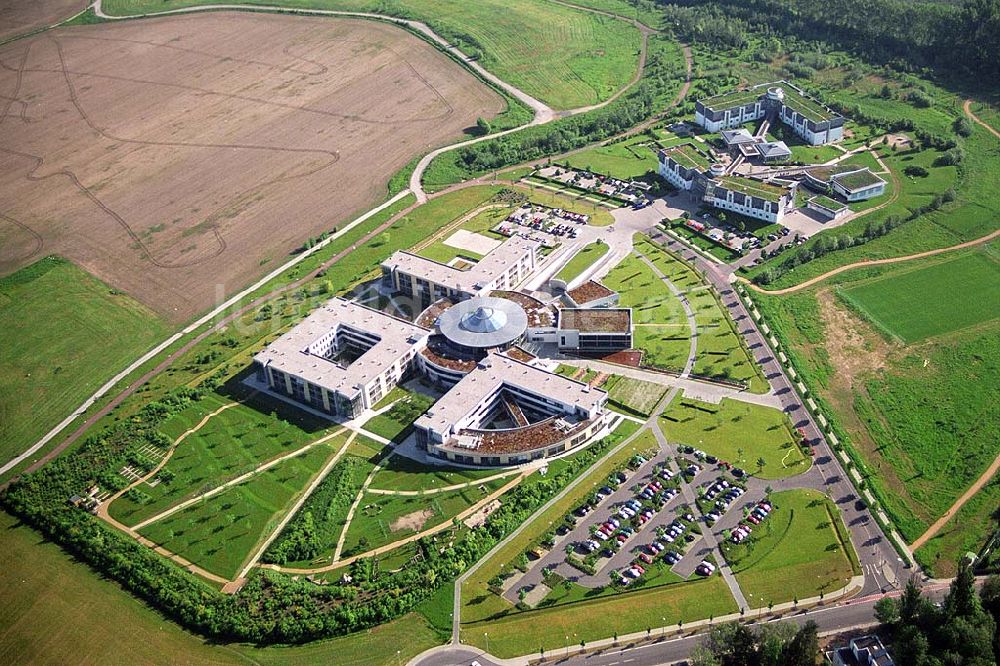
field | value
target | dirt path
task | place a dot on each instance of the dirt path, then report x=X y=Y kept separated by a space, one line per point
x=435 y=491
x=263 y=467
x=402 y=542
x=871 y=262
x=959 y=503
x=103 y=510
x=967 y=107
x=290 y=513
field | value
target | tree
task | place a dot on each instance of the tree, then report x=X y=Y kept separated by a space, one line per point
x=804 y=648
x=483 y=125
x=761 y=464
x=962 y=600
x=887 y=611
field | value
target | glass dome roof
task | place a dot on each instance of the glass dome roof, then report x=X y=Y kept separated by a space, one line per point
x=484 y=320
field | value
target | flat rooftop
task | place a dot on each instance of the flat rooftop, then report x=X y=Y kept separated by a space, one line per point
x=831 y=205
x=596 y=320
x=297 y=351
x=825 y=173
x=728 y=100
x=591 y=290
x=492 y=375
x=755 y=188
x=857 y=180
x=688 y=156
x=471 y=280
x=807 y=107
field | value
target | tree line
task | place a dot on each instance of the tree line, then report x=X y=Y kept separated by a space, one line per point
x=964 y=38
x=271 y=607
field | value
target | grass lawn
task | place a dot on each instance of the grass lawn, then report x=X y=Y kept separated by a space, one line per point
x=921 y=303
x=397 y=421
x=720 y=348
x=58 y=611
x=57 y=321
x=565 y=57
x=382 y=519
x=402 y=473
x=802 y=549
x=582 y=260
x=601 y=618
x=478 y=602
x=661 y=327
x=634 y=395
x=725 y=429
x=221 y=532
x=964 y=533
x=625 y=160
x=229 y=444
x=599 y=215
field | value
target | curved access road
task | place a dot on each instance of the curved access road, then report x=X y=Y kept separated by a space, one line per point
x=967 y=107
x=871 y=262
x=542 y=112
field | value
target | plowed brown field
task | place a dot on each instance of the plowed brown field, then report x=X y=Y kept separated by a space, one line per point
x=174 y=158
x=21 y=16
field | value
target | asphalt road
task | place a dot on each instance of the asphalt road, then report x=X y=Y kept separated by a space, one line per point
x=880 y=563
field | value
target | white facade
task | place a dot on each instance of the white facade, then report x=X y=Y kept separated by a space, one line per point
x=869 y=192
x=772 y=212
x=669 y=171
x=731 y=117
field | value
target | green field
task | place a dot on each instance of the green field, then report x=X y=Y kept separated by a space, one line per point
x=625 y=160
x=582 y=260
x=720 y=350
x=964 y=533
x=565 y=57
x=801 y=550
x=737 y=432
x=220 y=533
x=923 y=302
x=383 y=519
x=601 y=618
x=396 y=422
x=915 y=419
x=660 y=325
x=230 y=443
x=57 y=611
x=57 y=321
x=634 y=395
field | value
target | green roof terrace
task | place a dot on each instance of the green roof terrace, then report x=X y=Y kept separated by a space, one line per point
x=733 y=98
x=830 y=204
x=755 y=188
x=807 y=108
x=688 y=156
x=858 y=180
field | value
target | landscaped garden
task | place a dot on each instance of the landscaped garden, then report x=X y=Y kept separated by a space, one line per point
x=582 y=260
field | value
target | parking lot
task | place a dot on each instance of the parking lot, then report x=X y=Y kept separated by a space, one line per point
x=691 y=552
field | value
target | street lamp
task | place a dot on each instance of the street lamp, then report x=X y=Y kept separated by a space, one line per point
x=487 y=635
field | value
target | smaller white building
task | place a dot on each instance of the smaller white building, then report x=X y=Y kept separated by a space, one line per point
x=756 y=199
x=858 y=185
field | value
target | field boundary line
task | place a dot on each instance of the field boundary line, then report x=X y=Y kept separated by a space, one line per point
x=967 y=107
x=977 y=485
x=263 y=467
x=294 y=509
x=870 y=262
